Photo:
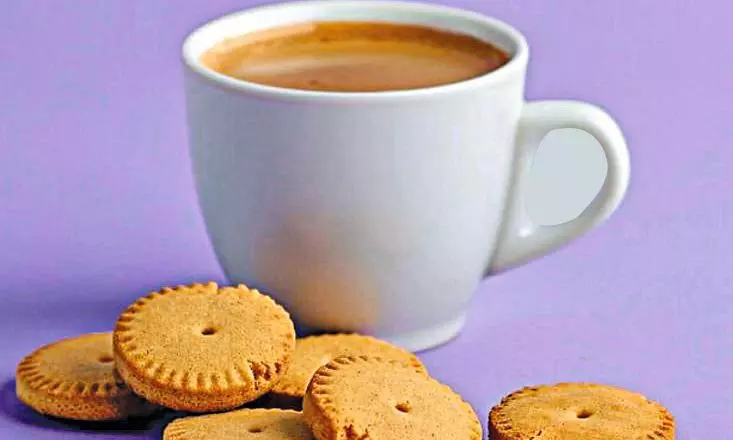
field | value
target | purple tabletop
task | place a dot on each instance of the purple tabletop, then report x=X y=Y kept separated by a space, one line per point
x=97 y=203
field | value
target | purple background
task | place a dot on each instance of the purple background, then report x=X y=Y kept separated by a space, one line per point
x=97 y=204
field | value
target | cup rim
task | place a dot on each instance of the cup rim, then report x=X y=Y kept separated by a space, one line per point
x=513 y=67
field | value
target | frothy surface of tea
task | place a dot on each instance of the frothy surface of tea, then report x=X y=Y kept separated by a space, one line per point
x=354 y=57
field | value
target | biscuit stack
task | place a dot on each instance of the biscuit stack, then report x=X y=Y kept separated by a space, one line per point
x=210 y=349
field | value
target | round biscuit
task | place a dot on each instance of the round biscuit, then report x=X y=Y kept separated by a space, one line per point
x=243 y=424
x=360 y=397
x=579 y=411
x=75 y=379
x=312 y=352
x=203 y=348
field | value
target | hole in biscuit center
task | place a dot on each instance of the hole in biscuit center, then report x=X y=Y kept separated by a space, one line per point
x=403 y=407
x=208 y=331
x=105 y=359
x=584 y=413
x=255 y=429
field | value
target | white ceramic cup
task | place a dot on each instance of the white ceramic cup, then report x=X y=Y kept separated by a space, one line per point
x=379 y=212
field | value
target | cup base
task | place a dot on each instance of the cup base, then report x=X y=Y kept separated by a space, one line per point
x=415 y=341
x=428 y=338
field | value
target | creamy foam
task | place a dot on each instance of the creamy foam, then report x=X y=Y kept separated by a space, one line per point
x=353 y=57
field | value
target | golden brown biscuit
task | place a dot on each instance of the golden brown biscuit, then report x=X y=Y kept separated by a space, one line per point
x=75 y=379
x=359 y=397
x=314 y=351
x=243 y=424
x=203 y=348
x=579 y=411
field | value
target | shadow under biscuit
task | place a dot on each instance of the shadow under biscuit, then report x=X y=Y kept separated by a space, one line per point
x=279 y=401
x=143 y=427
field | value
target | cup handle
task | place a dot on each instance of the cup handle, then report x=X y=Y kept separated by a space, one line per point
x=522 y=240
